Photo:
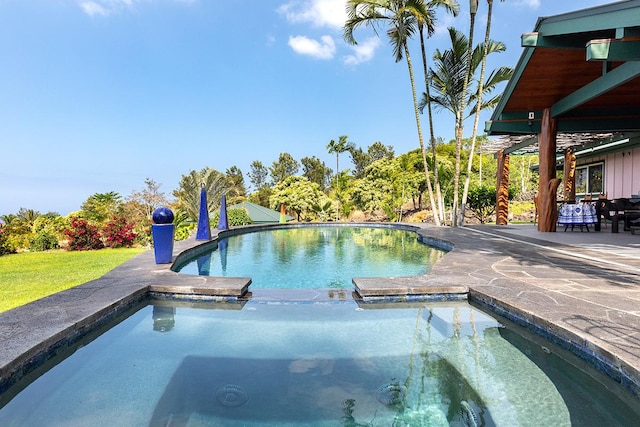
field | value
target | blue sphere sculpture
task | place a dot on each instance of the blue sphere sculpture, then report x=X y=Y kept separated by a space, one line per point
x=162 y=216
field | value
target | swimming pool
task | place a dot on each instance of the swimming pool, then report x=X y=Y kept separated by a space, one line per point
x=321 y=364
x=315 y=256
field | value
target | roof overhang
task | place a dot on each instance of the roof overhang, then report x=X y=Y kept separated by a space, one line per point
x=585 y=67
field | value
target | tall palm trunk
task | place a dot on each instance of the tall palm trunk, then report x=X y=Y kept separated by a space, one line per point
x=335 y=188
x=436 y=218
x=432 y=139
x=473 y=8
x=476 y=120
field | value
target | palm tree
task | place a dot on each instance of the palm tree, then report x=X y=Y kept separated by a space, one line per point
x=428 y=23
x=400 y=16
x=449 y=84
x=473 y=10
x=188 y=194
x=8 y=219
x=465 y=191
x=236 y=191
x=339 y=147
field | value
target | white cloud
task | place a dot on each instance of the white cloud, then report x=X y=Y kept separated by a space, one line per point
x=320 y=13
x=531 y=4
x=107 y=7
x=363 y=51
x=323 y=49
x=92 y=8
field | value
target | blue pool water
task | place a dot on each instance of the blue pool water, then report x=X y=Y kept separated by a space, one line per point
x=316 y=257
x=315 y=364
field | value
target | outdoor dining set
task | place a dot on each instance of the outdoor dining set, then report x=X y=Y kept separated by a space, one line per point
x=596 y=212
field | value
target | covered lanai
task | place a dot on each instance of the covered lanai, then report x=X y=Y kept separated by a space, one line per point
x=575 y=89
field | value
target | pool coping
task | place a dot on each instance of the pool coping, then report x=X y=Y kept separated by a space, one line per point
x=411 y=288
x=489 y=267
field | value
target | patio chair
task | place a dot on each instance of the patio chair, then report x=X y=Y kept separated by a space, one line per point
x=606 y=207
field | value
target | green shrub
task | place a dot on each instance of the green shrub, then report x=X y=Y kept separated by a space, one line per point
x=5 y=246
x=482 y=202
x=43 y=241
x=235 y=217
x=322 y=211
x=184 y=226
x=519 y=208
x=184 y=230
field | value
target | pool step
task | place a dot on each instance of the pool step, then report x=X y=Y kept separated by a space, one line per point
x=407 y=289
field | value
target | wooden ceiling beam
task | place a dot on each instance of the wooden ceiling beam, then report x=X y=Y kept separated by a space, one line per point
x=614 y=78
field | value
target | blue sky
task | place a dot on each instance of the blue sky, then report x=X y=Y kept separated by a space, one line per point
x=96 y=96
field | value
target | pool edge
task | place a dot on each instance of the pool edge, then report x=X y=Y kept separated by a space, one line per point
x=469 y=262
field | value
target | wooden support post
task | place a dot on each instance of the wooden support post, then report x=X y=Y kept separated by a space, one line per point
x=548 y=185
x=569 y=173
x=502 y=189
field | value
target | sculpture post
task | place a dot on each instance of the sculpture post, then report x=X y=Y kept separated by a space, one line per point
x=204 y=232
x=223 y=222
x=162 y=232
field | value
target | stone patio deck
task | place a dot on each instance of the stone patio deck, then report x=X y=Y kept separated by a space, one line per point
x=581 y=290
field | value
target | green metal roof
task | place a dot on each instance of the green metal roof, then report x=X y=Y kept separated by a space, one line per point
x=259 y=214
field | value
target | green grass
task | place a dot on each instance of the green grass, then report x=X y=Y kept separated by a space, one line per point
x=29 y=276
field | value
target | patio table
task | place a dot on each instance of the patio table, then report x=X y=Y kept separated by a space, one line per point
x=577 y=214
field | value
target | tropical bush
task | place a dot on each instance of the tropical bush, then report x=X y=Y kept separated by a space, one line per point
x=323 y=211
x=83 y=236
x=43 y=241
x=235 y=217
x=46 y=232
x=298 y=194
x=482 y=202
x=5 y=246
x=118 y=233
x=184 y=226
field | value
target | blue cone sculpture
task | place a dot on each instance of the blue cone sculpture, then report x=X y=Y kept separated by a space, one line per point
x=222 y=247
x=223 y=222
x=204 y=265
x=204 y=232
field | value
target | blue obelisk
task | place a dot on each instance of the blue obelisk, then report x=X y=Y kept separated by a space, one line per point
x=223 y=222
x=204 y=232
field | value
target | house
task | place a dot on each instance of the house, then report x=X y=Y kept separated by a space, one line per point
x=575 y=95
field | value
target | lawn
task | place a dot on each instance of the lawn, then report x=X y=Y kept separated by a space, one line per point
x=28 y=276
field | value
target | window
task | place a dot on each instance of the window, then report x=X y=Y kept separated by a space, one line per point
x=590 y=179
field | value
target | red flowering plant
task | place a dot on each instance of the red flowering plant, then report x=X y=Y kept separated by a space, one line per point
x=83 y=236
x=118 y=233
